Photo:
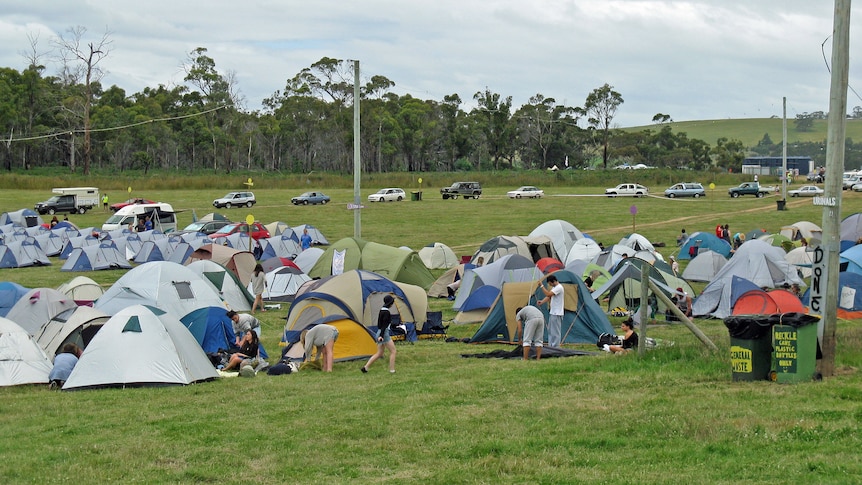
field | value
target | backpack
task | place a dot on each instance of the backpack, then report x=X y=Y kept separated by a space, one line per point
x=692 y=251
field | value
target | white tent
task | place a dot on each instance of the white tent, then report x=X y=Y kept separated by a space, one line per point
x=583 y=249
x=76 y=325
x=141 y=346
x=22 y=361
x=283 y=283
x=802 y=258
x=162 y=284
x=81 y=289
x=308 y=258
x=563 y=235
x=637 y=242
x=224 y=282
x=438 y=256
x=756 y=261
x=798 y=230
x=37 y=307
x=704 y=266
x=508 y=268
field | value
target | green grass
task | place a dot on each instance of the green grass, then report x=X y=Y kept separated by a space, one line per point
x=674 y=416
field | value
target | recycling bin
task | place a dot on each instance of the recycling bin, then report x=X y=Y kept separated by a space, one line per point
x=416 y=195
x=794 y=348
x=750 y=347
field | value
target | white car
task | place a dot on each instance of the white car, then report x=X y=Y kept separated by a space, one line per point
x=857 y=187
x=526 y=192
x=631 y=190
x=806 y=191
x=391 y=194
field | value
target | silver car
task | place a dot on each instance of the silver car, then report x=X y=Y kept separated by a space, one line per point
x=685 y=190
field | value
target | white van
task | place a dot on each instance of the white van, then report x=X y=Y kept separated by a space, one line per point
x=163 y=216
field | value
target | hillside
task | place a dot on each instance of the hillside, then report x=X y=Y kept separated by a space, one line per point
x=751 y=130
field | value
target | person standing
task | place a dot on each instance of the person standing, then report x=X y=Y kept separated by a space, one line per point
x=105 y=202
x=148 y=224
x=320 y=339
x=531 y=325
x=674 y=266
x=384 y=338
x=554 y=293
x=305 y=240
x=258 y=285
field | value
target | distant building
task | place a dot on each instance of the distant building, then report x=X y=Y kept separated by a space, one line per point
x=773 y=165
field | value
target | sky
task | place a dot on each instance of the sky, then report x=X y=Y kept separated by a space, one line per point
x=692 y=60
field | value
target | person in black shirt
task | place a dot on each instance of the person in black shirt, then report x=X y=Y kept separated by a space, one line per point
x=630 y=338
x=384 y=338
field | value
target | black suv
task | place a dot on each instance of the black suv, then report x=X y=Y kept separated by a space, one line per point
x=465 y=189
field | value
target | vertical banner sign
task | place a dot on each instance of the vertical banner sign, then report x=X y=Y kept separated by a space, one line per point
x=817 y=303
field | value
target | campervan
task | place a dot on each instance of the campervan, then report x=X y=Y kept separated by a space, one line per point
x=163 y=216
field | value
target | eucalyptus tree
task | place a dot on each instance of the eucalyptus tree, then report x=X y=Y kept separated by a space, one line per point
x=540 y=124
x=454 y=131
x=80 y=68
x=601 y=107
x=216 y=96
x=493 y=117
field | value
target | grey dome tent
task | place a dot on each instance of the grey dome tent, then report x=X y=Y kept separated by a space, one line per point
x=704 y=266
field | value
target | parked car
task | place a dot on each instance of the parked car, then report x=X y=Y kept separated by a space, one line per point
x=857 y=187
x=133 y=200
x=206 y=227
x=632 y=190
x=464 y=189
x=685 y=190
x=258 y=231
x=526 y=191
x=235 y=199
x=850 y=181
x=387 y=195
x=806 y=191
x=815 y=177
x=310 y=198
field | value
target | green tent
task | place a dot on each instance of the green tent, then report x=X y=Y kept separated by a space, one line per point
x=397 y=264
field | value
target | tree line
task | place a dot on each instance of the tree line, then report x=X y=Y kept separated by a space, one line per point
x=68 y=119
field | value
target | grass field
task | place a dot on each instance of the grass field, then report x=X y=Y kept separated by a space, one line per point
x=673 y=416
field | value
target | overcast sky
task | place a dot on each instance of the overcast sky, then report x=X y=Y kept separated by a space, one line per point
x=693 y=60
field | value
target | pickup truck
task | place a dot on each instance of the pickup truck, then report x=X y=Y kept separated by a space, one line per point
x=749 y=188
x=465 y=189
x=71 y=200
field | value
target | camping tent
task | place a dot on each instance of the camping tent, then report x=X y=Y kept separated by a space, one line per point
x=801 y=257
x=10 y=293
x=623 y=289
x=276 y=262
x=162 y=284
x=141 y=346
x=511 y=267
x=438 y=288
x=703 y=241
x=476 y=306
x=81 y=289
x=704 y=266
x=637 y=242
x=610 y=258
x=563 y=235
x=101 y=256
x=282 y=245
x=583 y=249
x=354 y=342
x=357 y=295
x=317 y=237
x=438 y=256
x=308 y=258
x=849 y=295
x=241 y=263
x=21 y=217
x=224 y=282
x=500 y=246
x=211 y=328
x=853 y=259
x=76 y=325
x=583 y=320
x=584 y=268
x=549 y=265
x=354 y=253
x=756 y=261
x=22 y=361
x=283 y=283
x=37 y=307
x=50 y=242
x=22 y=253
x=851 y=227
x=798 y=230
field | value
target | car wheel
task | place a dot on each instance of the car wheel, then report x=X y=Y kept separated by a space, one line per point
x=324 y=201
x=475 y=196
x=82 y=210
x=639 y=194
x=227 y=206
x=696 y=195
x=454 y=197
x=304 y=202
x=51 y=211
x=671 y=195
x=400 y=198
x=517 y=196
x=381 y=200
x=734 y=194
x=759 y=195
x=249 y=204
x=794 y=195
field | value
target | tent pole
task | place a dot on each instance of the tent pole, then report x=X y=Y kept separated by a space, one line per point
x=644 y=309
x=684 y=319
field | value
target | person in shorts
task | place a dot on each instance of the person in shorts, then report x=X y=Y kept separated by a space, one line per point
x=531 y=325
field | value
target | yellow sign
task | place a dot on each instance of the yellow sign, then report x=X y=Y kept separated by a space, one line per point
x=249 y=219
x=712 y=186
x=741 y=360
x=130 y=189
x=420 y=180
x=249 y=182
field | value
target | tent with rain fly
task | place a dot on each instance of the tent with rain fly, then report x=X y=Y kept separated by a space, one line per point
x=21 y=217
x=702 y=241
x=798 y=230
x=283 y=283
x=211 y=328
x=583 y=319
x=37 y=307
x=755 y=302
x=584 y=268
x=849 y=295
x=802 y=258
x=308 y=258
x=350 y=253
x=787 y=302
x=438 y=256
x=357 y=295
x=511 y=267
x=317 y=237
x=549 y=265
x=610 y=258
x=241 y=263
x=279 y=246
x=275 y=263
x=10 y=293
x=476 y=306
x=101 y=256
x=500 y=246
x=162 y=284
x=75 y=326
x=82 y=289
x=852 y=259
x=704 y=266
x=224 y=282
x=851 y=227
x=563 y=235
x=22 y=254
x=22 y=361
x=141 y=346
x=438 y=288
x=50 y=242
x=756 y=261
x=637 y=242
x=583 y=249
x=623 y=289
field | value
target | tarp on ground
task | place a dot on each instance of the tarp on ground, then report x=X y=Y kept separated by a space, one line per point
x=22 y=361
x=583 y=319
x=141 y=346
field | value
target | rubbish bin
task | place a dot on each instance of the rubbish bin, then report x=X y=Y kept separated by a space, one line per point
x=794 y=348
x=416 y=195
x=781 y=204
x=750 y=347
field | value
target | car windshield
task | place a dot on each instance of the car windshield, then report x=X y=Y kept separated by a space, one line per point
x=307 y=194
x=195 y=226
x=226 y=229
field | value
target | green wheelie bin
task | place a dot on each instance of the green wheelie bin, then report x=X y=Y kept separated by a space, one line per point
x=794 y=348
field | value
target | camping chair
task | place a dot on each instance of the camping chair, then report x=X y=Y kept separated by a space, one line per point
x=433 y=327
x=407 y=332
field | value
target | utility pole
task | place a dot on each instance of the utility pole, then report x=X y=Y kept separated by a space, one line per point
x=357 y=163
x=831 y=200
